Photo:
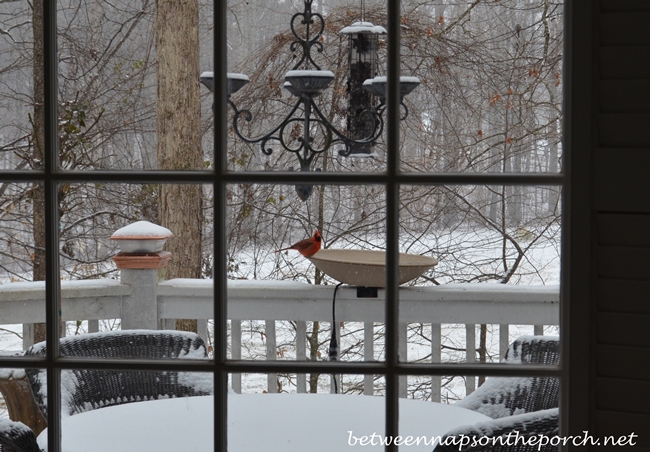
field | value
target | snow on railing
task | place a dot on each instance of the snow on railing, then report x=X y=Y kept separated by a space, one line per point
x=142 y=304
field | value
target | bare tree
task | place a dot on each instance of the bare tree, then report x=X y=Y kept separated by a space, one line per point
x=103 y=77
x=178 y=116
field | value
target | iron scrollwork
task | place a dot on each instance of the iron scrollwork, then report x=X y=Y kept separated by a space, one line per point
x=306 y=133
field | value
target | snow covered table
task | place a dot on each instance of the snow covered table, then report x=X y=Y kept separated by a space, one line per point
x=286 y=422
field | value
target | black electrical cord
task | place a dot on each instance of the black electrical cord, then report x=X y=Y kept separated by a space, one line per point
x=334 y=346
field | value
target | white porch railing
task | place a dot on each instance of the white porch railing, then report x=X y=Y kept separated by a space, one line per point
x=271 y=301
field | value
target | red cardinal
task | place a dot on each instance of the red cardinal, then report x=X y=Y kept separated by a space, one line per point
x=306 y=247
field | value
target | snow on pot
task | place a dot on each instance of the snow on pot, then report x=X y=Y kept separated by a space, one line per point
x=141 y=237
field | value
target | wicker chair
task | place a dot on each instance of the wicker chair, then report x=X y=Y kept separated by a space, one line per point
x=85 y=390
x=521 y=407
x=17 y=437
x=506 y=396
x=519 y=433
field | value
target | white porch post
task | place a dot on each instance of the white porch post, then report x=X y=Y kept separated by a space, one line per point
x=140 y=310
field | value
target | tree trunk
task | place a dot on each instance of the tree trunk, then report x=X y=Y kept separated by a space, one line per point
x=38 y=138
x=178 y=113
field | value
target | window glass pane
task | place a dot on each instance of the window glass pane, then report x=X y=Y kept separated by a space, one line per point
x=21 y=111
x=490 y=93
x=462 y=410
x=130 y=98
x=498 y=266
x=16 y=401
x=282 y=296
x=22 y=266
x=107 y=86
x=265 y=218
x=320 y=120
x=126 y=410
x=317 y=422
x=132 y=256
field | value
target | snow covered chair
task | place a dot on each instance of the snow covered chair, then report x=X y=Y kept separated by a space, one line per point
x=499 y=397
x=529 y=432
x=84 y=390
x=17 y=437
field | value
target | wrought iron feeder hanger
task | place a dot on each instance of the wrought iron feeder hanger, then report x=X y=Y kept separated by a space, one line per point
x=367 y=96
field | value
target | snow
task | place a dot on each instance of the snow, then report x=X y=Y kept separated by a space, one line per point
x=506 y=422
x=8 y=374
x=114 y=333
x=383 y=79
x=230 y=75
x=303 y=73
x=409 y=79
x=364 y=27
x=253 y=284
x=496 y=385
x=14 y=427
x=187 y=282
x=85 y=283
x=237 y=76
x=200 y=381
x=288 y=422
x=142 y=229
x=372 y=155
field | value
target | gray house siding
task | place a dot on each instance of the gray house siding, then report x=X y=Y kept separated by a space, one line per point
x=618 y=387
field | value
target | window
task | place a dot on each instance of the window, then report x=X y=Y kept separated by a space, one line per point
x=441 y=168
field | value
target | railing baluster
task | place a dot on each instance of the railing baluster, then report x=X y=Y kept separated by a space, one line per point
x=402 y=356
x=28 y=335
x=271 y=354
x=235 y=351
x=470 y=334
x=202 y=329
x=93 y=326
x=436 y=347
x=301 y=353
x=368 y=355
x=337 y=331
x=538 y=330
x=504 y=340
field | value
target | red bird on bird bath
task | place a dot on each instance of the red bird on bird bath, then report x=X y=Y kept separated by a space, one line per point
x=307 y=247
